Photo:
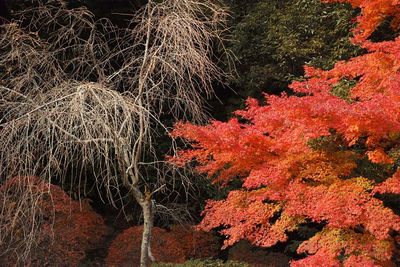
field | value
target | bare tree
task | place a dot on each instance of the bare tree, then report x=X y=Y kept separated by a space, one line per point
x=175 y=66
x=74 y=98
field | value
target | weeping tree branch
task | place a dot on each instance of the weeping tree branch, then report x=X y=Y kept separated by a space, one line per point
x=81 y=94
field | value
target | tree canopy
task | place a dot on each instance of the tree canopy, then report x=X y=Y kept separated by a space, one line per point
x=304 y=158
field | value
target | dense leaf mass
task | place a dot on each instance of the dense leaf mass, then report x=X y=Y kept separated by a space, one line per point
x=273 y=39
x=299 y=157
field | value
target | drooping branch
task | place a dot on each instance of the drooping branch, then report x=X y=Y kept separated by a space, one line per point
x=57 y=121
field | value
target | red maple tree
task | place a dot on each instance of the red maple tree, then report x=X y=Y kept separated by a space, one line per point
x=302 y=158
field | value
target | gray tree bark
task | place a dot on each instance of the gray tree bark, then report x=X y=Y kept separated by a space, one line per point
x=146 y=256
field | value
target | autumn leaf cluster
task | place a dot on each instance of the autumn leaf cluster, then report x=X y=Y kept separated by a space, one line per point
x=303 y=158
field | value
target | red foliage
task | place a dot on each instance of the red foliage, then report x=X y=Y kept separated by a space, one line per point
x=358 y=249
x=391 y=185
x=296 y=157
x=272 y=154
x=125 y=248
x=67 y=228
x=195 y=244
x=179 y=244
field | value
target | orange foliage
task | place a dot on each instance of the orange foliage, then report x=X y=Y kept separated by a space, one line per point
x=272 y=154
x=379 y=156
x=356 y=249
x=296 y=157
x=391 y=185
x=68 y=228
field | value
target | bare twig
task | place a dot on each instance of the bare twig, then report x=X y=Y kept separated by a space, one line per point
x=63 y=113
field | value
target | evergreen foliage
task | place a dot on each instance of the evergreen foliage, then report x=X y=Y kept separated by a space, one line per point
x=274 y=39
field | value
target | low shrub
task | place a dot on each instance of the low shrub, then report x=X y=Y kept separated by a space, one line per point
x=42 y=226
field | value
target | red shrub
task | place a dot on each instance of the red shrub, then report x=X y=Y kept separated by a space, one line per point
x=195 y=244
x=125 y=249
x=65 y=228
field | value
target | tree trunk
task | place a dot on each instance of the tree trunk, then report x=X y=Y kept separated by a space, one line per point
x=146 y=255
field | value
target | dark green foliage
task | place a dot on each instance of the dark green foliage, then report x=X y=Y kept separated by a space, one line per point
x=343 y=88
x=273 y=39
